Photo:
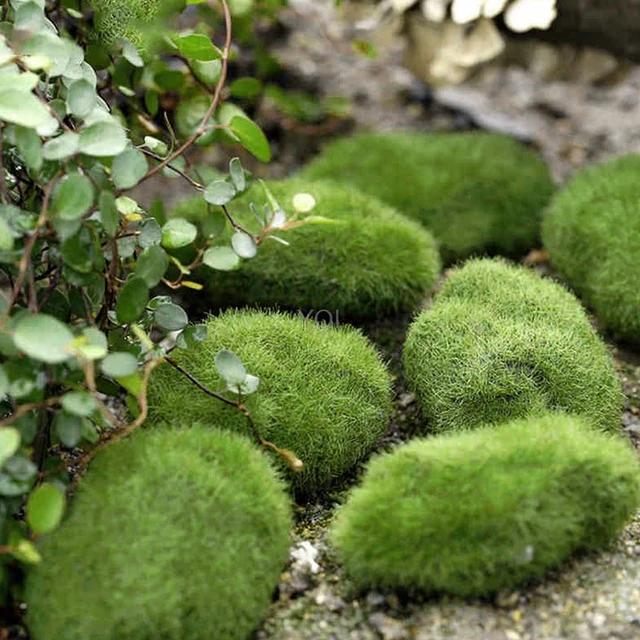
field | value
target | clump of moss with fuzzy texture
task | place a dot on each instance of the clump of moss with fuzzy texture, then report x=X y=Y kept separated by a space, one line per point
x=133 y=20
x=500 y=343
x=173 y=534
x=324 y=392
x=371 y=262
x=471 y=514
x=592 y=233
x=478 y=193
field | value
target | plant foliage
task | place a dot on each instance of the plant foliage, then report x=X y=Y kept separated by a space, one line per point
x=592 y=233
x=476 y=192
x=189 y=530
x=474 y=513
x=324 y=392
x=499 y=343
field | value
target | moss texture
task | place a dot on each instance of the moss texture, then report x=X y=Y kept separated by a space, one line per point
x=174 y=534
x=324 y=392
x=373 y=263
x=592 y=233
x=478 y=193
x=130 y=19
x=500 y=343
x=471 y=514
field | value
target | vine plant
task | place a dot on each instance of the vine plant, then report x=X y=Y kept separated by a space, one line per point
x=80 y=257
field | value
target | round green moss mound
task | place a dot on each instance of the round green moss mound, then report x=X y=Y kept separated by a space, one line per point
x=592 y=233
x=476 y=192
x=173 y=534
x=474 y=513
x=130 y=19
x=371 y=262
x=324 y=392
x=500 y=343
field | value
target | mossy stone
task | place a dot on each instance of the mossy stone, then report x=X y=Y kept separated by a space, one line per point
x=173 y=534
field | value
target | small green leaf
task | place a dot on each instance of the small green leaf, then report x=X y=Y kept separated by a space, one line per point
x=198 y=47
x=61 y=147
x=23 y=108
x=130 y=54
x=178 y=233
x=81 y=98
x=68 y=428
x=219 y=192
x=119 y=364
x=150 y=233
x=102 y=139
x=30 y=146
x=221 y=258
x=45 y=508
x=4 y=383
x=230 y=367
x=132 y=383
x=245 y=88
x=78 y=403
x=237 y=174
x=109 y=215
x=244 y=245
x=92 y=344
x=157 y=146
x=128 y=168
x=73 y=197
x=126 y=206
x=9 y=443
x=43 y=338
x=251 y=138
x=152 y=265
x=6 y=236
x=132 y=300
x=26 y=552
x=249 y=386
x=171 y=317
x=192 y=336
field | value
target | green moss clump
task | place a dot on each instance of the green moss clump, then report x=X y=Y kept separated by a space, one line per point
x=473 y=513
x=173 y=534
x=130 y=19
x=592 y=233
x=324 y=392
x=500 y=343
x=476 y=192
x=372 y=262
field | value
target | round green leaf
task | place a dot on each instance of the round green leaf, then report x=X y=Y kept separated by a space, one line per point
x=6 y=237
x=79 y=403
x=171 y=317
x=237 y=174
x=198 y=47
x=119 y=364
x=73 y=197
x=132 y=300
x=219 y=192
x=4 y=383
x=150 y=233
x=230 y=367
x=178 y=233
x=244 y=245
x=251 y=138
x=61 y=147
x=245 y=88
x=128 y=168
x=9 y=443
x=45 y=508
x=221 y=258
x=151 y=265
x=81 y=98
x=104 y=138
x=23 y=108
x=94 y=344
x=192 y=336
x=30 y=146
x=109 y=215
x=68 y=428
x=43 y=338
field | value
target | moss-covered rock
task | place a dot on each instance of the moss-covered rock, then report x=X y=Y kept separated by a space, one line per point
x=130 y=19
x=592 y=233
x=476 y=192
x=173 y=534
x=499 y=343
x=324 y=392
x=473 y=513
x=371 y=262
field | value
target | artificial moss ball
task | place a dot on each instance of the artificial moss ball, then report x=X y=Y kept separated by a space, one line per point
x=324 y=392
x=471 y=514
x=476 y=192
x=174 y=534
x=592 y=233
x=369 y=262
x=500 y=342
